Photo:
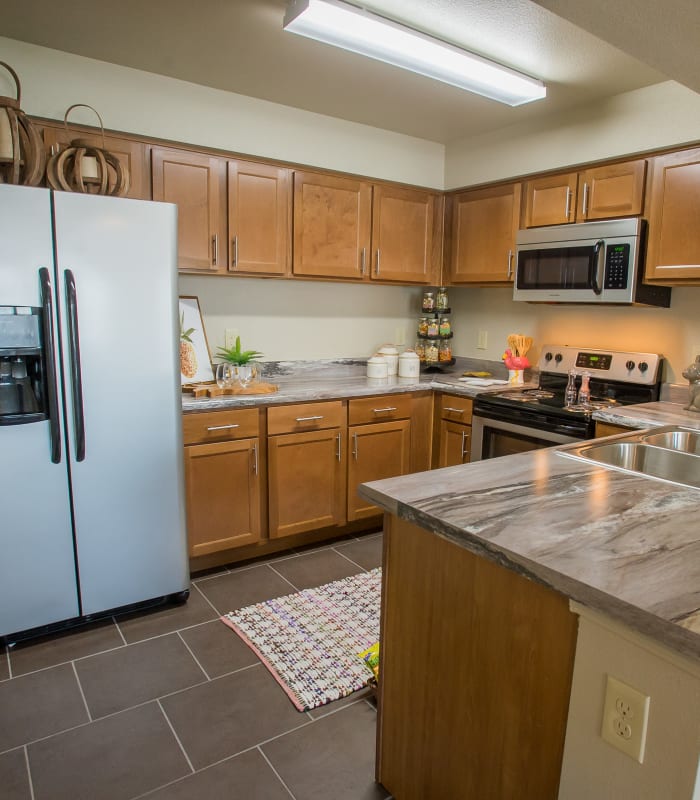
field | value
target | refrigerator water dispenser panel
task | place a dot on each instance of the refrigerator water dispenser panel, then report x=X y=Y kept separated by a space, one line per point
x=22 y=366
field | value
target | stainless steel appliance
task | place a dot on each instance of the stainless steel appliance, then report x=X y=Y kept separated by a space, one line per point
x=590 y=262
x=91 y=476
x=518 y=420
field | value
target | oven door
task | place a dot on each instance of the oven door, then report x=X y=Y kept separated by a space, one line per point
x=493 y=437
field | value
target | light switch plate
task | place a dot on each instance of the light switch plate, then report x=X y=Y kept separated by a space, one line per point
x=230 y=335
x=482 y=340
x=625 y=718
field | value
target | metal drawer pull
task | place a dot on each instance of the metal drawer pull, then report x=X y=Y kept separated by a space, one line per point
x=567 y=210
x=339 y=452
x=584 y=210
x=377 y=272
x=234 y=259
x=222 y=427
x=454 y=410
x=309 y=419
x=363 y=262
x=215 y=249
x=384 y=410
x=354 y=445
x=465 y=439
x=510 y=263
x=255 y=459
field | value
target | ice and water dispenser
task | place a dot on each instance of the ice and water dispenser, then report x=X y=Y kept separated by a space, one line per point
x=22 y=366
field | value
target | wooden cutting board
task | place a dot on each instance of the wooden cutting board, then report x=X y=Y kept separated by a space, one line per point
x=212 y=390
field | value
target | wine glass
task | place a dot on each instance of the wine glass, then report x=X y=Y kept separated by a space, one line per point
x=225 y=375
x=246 y=373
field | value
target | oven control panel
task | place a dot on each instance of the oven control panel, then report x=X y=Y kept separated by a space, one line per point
x=616 y=365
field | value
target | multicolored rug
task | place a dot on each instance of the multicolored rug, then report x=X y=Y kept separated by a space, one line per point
x=310 y=640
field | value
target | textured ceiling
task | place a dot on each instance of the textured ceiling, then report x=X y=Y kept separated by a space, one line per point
x=240 y=46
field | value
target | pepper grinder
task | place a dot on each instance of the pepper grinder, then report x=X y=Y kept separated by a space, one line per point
x=692 y=373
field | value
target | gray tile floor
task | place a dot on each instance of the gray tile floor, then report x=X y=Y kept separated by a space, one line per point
x=171 y=704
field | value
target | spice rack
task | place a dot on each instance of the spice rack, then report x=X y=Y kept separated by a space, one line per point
x=433 y=344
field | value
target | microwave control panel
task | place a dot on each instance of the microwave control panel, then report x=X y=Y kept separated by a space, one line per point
x=617 y=265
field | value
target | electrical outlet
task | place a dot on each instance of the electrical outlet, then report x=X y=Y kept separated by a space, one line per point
x=625 y=717
x=482 y=340
x=230 y=335
x=400 y=336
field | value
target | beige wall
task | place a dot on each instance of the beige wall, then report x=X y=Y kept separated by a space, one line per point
x=594 y=770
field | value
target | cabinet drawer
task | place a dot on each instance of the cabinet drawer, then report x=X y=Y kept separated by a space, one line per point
x=219 y=426
x=456 y=409
x=379 y=409
x=306 y=417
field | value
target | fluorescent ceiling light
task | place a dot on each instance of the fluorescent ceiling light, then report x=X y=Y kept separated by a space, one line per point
x=352 y=28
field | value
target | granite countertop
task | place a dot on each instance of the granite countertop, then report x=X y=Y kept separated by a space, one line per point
x=649 y=415
x=331 y=380
x=627 y=546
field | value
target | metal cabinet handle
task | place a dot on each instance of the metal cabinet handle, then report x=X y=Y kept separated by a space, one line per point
x=584 y=210
x=510 y=263
x=215 y=249
x=567 y=211
x=234 y=251
x=465 y=439
x=221 y=427
x=363 y=261
x=377 y=268
x=384 y=410
x=454 y=410
x=309 y=419
x=354 y=446
x=339 y=451
x=255 y=458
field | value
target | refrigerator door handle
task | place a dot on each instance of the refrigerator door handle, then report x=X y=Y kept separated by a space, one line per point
x=75 y=371
x=50 y=350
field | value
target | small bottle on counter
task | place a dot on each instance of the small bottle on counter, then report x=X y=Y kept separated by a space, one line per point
x=584 y=393
x=428 y=301
x=570 y=393
x=442 y=303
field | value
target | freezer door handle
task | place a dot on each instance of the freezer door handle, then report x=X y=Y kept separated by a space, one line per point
x=75 y=371
x=50 y=351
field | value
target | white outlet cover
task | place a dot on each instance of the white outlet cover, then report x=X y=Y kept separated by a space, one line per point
x=625 y=718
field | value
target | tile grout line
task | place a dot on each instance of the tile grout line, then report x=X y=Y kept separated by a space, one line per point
x=296 y=588
x=9 y=663
x=206 y=674
x=119 y=630
x=69 y=661
x=29 y=772
x=279 y=777
x=347 y=558
x=177 y=738
x=82 y=693
x=208 y=601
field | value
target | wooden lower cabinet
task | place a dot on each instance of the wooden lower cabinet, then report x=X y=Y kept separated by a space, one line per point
x=476 y=669
x=306 y=479
x=455 y=443
x=607 y=429
x=223 y=495
x=378 y=450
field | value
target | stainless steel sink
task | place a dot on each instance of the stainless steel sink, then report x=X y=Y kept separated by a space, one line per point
x=669 y=454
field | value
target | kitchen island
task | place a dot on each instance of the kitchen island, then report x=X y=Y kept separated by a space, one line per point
x=502 y=578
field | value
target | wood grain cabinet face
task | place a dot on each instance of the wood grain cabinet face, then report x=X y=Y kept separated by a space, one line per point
x=196 y=184
x=259 y=202
x=332 y=222
x=455 y=443
x=484 y=224
x=406 y=235
x=131 y=154
x=673 y=253
x=550 y=200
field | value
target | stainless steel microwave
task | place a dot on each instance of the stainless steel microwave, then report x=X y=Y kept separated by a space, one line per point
x=589 y=262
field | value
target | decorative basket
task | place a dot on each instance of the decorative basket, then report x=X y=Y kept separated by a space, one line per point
x=22 y=157
x=82 y=167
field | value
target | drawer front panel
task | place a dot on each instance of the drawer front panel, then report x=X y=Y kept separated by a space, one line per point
x=219 y=426
x=455 y=408
x=379 y=409
x=305 y=417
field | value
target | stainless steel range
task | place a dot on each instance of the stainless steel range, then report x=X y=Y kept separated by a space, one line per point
x=517 y=420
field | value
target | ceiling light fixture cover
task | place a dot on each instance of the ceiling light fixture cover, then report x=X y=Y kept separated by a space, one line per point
x=343 y=25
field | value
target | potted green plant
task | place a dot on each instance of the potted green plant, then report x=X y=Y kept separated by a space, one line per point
x=243 y=361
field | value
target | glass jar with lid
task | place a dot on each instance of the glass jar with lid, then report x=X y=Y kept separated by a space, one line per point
x=445 y=351
x=442 y=303
x=445 y=326
x=431 y=352
x=423 y=326
x=428 y=301
x=433 y=327
x=420 y=349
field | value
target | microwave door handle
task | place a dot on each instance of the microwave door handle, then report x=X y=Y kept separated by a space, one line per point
x=595 y=265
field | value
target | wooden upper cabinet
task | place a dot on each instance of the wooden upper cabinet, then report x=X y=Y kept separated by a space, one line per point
x=332 y=221
x=406 y=235
x=259 y=211
x=196 y=184
x=673 y=253
x=550 y=200
x=482 y=240
x=606 y=192
x=131 y=154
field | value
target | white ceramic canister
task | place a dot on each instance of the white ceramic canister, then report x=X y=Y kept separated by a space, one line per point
x=377 y=367
x=409 y=364
x=391 y=354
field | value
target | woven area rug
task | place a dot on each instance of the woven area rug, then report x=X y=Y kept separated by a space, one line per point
x=310 y=640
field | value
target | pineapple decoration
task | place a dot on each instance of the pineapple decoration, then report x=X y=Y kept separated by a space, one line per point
x=188 y=357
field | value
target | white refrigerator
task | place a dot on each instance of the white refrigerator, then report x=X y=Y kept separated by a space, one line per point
x=91 y=482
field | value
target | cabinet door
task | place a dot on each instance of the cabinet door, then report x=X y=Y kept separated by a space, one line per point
x=484 y=224
x=223 y=495
x=258 y=218
x=550 y=200
x=455 y=443
x=195 y=183
x=406 y=246
x=615 y=190
x=674 y=234
x=306 y=480
x=378 y=451
x=332 y=219
x=131 y=155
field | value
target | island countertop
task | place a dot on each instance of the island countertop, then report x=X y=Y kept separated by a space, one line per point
x=627 y=546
